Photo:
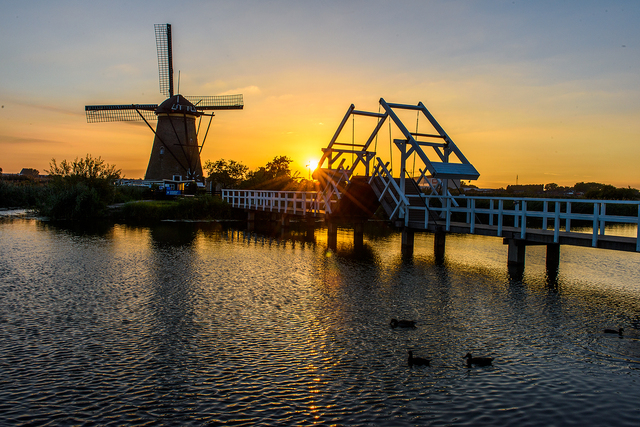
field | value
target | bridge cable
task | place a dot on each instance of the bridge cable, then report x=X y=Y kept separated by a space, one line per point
x=353 y=139
x=432 y=216
x=376 y=145
x=390 y=149
x=413 y=170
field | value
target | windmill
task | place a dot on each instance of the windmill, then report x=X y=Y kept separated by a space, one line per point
x=175 y=154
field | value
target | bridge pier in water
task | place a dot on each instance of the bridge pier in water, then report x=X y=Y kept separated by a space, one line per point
x=408 y=237
x=517 y=251
x=332 y=235
x=439 y=240
x=251 y=221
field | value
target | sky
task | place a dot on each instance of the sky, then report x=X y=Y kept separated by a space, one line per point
x=532 y=92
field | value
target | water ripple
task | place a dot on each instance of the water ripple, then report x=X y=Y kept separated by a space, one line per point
x=201 y=326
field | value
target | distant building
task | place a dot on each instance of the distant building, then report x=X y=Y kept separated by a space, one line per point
x=30 y=172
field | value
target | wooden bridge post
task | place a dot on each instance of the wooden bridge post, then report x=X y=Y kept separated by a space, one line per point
x=439 y=240
x=332 y=235
x=309 y=229
x=407 y=241
x=251 y=220
x=358 y=235
x=553 y=257
x=516 y=252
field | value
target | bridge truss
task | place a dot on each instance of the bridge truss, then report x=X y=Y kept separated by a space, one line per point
x=434 y=156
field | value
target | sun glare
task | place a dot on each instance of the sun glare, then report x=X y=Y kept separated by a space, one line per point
x=312 y=164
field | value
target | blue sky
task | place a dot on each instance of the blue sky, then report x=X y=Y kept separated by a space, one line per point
x=545 y=90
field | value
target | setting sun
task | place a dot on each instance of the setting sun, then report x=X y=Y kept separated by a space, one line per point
x=311 y=165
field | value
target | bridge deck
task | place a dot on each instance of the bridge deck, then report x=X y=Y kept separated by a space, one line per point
x=539 y=237
x=550 y=218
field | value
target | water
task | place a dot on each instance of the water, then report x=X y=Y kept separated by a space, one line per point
x=197 y=324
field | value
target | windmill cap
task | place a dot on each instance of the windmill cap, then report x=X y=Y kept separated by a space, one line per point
x=177 y=104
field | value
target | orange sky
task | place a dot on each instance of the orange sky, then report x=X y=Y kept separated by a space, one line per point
x=544 y=92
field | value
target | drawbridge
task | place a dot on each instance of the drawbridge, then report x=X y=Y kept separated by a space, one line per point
x=355 y=178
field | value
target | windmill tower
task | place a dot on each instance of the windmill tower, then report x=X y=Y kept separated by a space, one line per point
x=175 y=154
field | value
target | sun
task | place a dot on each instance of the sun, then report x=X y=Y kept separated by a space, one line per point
x=312 y=164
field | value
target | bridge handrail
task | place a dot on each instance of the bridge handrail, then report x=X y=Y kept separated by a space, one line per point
x=331 y=192
x=380 y=171
x=294 y=202
x=522 y=210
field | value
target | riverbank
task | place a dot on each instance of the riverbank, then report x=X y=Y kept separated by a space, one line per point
x=204 y=208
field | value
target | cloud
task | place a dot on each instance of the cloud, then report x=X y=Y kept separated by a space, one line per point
x=250 y=90
x=14 y=140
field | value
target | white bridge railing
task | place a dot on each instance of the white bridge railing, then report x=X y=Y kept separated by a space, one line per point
x=292 y=202
x=525 y=214
x=554 y=214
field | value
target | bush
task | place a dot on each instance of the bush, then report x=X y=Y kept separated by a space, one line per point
x=81 y=189
x=76 y=202
x=20 y=194
x=187 y=208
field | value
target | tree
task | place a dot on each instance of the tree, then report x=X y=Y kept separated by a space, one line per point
x=276 y=175
x=228 y=174
x=81 y=189
x=279 y=167
x=84 y=169
x=584 y=187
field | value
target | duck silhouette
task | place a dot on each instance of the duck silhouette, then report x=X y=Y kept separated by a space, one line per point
x=417 y=361
x=478 y=361
x=613 y=331
x=402 y=323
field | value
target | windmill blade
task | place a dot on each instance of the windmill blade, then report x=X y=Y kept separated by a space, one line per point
x=165 y=58
x=220 y=102
x=120 y=113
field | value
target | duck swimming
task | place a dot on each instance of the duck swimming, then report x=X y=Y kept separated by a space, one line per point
x=418 y=361
x=402 y=323
x=479 y=361
x=613 y=331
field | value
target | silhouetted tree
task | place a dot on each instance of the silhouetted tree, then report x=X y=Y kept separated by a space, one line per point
x=81 y=189
x=276 y=175
x=228 y=174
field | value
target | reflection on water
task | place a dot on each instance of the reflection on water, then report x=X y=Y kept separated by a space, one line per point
x=193 y=324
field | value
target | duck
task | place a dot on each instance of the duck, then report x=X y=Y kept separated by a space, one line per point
x=418 y=361
x=613 y=331
x=479 y=361
x=402 y=323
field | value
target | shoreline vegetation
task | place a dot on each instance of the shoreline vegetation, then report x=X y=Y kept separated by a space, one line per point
x=85 y=189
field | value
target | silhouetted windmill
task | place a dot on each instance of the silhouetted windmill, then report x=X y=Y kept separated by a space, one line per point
x=175 y=153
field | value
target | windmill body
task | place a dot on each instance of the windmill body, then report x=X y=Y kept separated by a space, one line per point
x=175 y=154
x=177 y=125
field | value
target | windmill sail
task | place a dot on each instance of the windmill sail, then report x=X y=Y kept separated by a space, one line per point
x=120 y=113
x=220 y=102
x=165 y=58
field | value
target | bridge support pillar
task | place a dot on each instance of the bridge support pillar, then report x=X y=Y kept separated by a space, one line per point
x=358 y=236
x=251 y=220
x=332 y=235
x=439 y=240
x=309 y=229
x=284 y=220
x=408 y=236
x=516 y=252
x=553 y=257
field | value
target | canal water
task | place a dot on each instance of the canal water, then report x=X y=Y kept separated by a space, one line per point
x=203 y=324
